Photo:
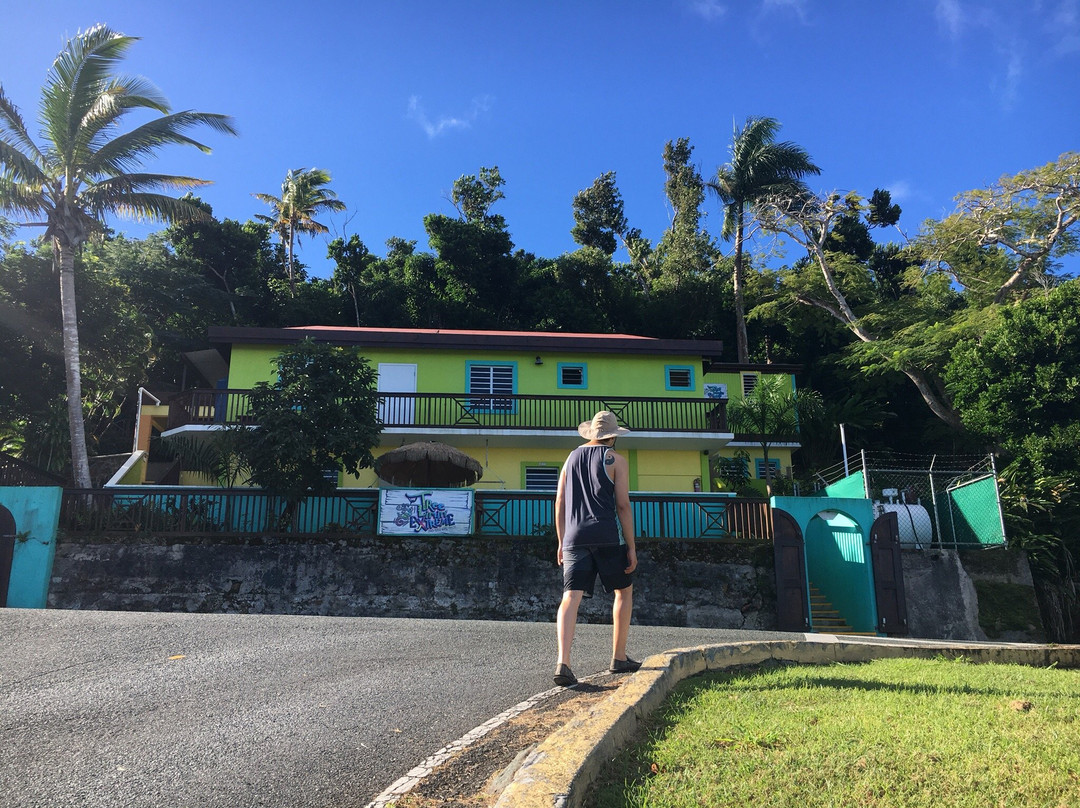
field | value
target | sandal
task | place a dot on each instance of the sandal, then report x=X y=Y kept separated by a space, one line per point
x=564 y=677
x=627 y=665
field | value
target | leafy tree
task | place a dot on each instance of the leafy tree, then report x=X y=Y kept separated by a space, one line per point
x=1017 y=385
x=912 y=337
x=771 y=414
x=319 y=417
x=685 y=250
x=87 y=169
x=759 y=167
x=354 y=271
x=599 y=220
x=477 y=275
x=304 y=196
x=473 y=196
x=117 y=348
x=1042 y=518
x=233 y=259
x=1006 y=240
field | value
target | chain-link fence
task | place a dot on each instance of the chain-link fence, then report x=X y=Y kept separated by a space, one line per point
x=941 y=500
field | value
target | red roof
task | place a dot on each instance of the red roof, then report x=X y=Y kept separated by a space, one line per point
x=457 y=332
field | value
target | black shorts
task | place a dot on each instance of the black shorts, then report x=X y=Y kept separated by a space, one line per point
x=581 y=565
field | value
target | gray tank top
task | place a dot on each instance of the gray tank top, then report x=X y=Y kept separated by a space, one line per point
x=591 y=518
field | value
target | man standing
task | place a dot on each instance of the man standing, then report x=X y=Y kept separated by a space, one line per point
x=592 y=501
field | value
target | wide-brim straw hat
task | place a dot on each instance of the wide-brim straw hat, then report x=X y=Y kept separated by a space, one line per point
x=603 y=425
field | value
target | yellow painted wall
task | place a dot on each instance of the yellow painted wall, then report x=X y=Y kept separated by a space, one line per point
x=504 y=469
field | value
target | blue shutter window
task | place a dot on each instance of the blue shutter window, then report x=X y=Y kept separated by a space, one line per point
x=679 y=377
x=572 y=375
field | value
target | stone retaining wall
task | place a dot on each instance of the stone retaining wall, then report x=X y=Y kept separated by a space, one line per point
x=971 y=595
x=680 y=583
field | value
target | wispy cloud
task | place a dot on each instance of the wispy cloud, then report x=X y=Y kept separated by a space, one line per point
x=950 y=16
x=447 y=123
x=708 y=9
x=901 y=191
x=1064 y=28
x=798 y=6
x=1008 y=87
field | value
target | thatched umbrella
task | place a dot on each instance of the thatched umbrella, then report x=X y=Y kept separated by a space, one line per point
x=428 y=464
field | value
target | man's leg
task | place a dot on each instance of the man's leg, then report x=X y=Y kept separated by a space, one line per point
x=567 y=622
x=620 y=622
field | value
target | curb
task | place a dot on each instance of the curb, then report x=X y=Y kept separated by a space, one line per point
x=559 y=771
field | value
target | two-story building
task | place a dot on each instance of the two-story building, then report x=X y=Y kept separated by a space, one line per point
x=510 y=399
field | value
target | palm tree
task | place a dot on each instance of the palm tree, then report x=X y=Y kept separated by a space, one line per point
x=771 y=414
x=88 y=168
x=759 y=167
x=303 y=195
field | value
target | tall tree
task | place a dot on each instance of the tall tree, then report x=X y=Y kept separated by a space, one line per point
x=759 y=167
x=304 y=196
x=599 y=219
x=88 y=168
x=473 y=196
x=911 y=336
x=685 y=250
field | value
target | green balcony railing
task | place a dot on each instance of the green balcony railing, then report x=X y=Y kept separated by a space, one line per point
x=474 y=411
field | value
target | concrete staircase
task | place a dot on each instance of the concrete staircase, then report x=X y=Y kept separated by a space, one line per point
x=824 y=619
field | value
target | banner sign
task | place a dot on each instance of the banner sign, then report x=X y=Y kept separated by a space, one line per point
x=426 y=511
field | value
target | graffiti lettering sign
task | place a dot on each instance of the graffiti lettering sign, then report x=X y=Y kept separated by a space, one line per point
x=426 y=511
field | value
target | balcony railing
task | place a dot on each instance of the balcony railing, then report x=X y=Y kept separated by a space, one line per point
x=208 y=513
x=475 y=411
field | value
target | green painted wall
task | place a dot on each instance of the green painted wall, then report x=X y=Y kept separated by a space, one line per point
x=445 y=371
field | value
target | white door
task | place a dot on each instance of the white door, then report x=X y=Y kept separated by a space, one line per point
x=397 y=378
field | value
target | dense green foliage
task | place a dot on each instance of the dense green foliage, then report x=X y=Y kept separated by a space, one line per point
x=318 y=419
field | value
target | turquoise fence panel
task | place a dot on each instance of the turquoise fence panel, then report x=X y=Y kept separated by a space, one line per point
x=36 y=510
x=512 y=514
x=853 y=487
x=975 y=518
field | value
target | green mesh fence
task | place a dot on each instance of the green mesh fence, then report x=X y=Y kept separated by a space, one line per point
x=958 y=493
x=974 y=515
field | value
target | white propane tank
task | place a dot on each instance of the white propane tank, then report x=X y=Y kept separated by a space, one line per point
x=916 y=529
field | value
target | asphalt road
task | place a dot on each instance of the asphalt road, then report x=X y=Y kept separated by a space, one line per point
x=117 y=709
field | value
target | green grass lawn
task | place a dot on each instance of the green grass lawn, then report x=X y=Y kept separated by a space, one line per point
x=898 y=732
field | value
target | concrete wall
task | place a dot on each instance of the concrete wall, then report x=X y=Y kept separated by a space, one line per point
x=680 y=583
x=971 y=595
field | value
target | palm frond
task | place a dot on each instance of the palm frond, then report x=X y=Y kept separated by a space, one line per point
x=18 y=167
x=115 y=100
x=20 y=199
x=147 y=206
x=126 y=152
x=76 y=80
x=13 y=130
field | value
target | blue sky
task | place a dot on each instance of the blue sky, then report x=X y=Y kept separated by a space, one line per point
x=928 y=98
